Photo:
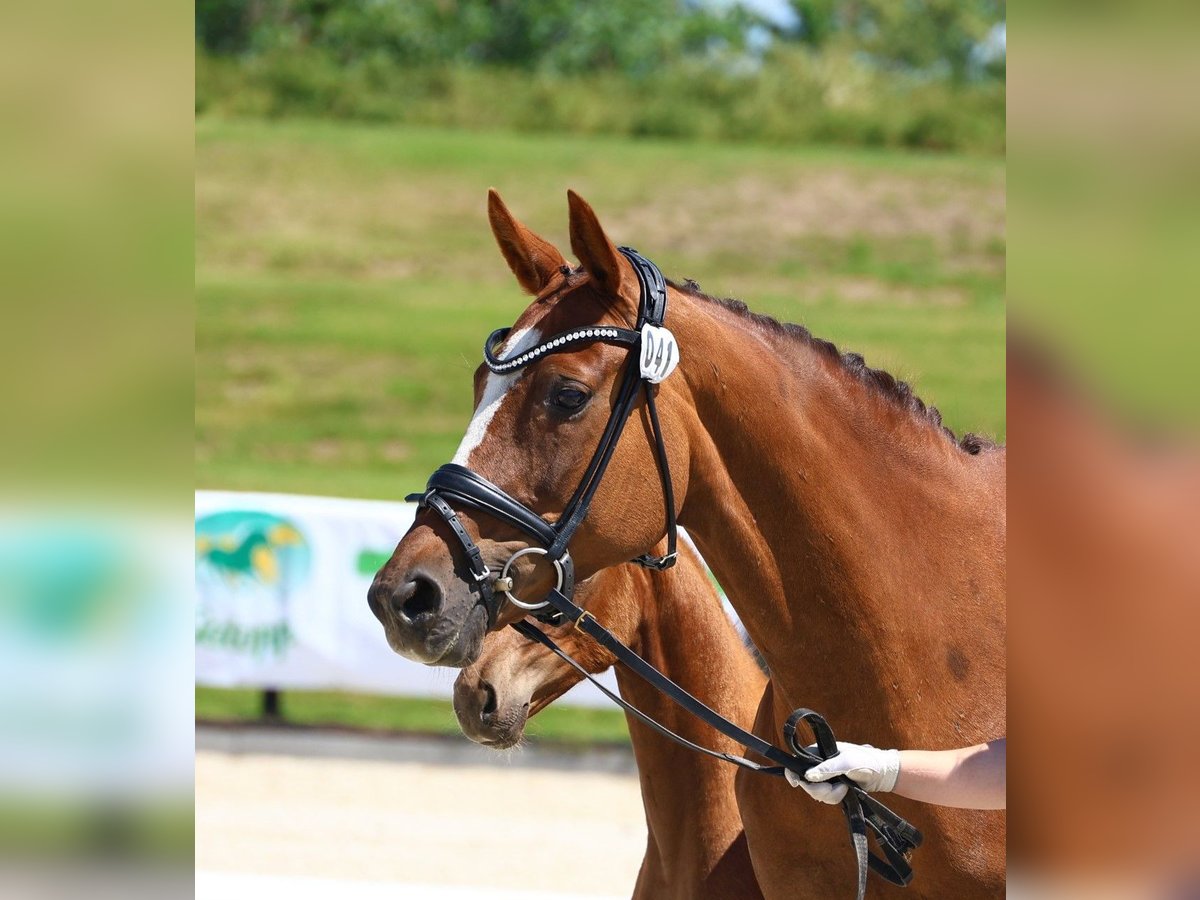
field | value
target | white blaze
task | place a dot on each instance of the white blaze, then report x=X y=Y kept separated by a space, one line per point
x=495 y=388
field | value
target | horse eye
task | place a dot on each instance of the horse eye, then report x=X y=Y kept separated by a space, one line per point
x=569 y=399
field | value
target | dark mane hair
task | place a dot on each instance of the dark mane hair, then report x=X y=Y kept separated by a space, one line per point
x=897 y=391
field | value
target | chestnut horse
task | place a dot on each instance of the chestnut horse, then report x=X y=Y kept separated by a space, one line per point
x=863 y=547
x=695 y=843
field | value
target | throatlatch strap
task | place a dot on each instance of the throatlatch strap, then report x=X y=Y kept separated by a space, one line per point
x=659 y=563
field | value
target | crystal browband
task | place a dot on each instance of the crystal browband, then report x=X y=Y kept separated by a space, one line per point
x=553 y=345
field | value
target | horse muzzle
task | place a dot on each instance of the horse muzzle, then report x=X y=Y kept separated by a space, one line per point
x=428 y=612
x=484 y=716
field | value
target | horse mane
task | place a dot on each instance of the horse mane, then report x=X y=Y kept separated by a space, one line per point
x=884 y=383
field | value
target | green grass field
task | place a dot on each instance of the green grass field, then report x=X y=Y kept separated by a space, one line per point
x=346 y=278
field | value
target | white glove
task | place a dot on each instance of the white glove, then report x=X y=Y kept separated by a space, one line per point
x=872 y=769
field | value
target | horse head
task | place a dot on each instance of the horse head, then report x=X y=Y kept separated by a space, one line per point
x=533 y=434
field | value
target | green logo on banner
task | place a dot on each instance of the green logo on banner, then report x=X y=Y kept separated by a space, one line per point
x=248 y=564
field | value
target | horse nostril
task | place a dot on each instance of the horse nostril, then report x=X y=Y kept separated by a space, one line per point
x=417 y=598
x=489 y=701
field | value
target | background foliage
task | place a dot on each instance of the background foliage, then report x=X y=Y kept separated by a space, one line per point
x=867 y=72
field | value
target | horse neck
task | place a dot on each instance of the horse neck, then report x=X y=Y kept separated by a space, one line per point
x=843 y=526
x=691 y=811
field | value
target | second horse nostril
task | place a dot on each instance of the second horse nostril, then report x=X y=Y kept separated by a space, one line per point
x=418 y=598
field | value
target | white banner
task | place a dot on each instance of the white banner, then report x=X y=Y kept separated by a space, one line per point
x=281 y=597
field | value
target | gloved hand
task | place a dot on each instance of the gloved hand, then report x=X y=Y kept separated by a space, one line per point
x=873 y=769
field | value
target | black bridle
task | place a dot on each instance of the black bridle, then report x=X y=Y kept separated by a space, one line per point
x=656 y=357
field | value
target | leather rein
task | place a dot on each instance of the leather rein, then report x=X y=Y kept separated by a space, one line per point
x=655 y=358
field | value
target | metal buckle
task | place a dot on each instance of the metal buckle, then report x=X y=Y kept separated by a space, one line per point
x=504 y=577
x=657 y=563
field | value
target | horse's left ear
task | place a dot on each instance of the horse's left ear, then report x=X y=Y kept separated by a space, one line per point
x=599 y=256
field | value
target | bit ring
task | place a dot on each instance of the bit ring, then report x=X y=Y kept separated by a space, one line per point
x=505 y=579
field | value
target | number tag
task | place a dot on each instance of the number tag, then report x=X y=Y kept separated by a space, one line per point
x=660 y=353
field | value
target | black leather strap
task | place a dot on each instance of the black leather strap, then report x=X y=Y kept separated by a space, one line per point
x=652 y=307
x=474 y=558
x=479 y=570
x=533 y=633
x=896 y=837
x=577 y=507
x=459 y=483
x=470 y=489
x=659 y=563
x=473 y=490
x=588 y=624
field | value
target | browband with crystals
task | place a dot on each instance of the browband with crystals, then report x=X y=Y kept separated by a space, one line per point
x=556 y=344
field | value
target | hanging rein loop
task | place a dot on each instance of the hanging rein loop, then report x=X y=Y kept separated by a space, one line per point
x=653 y=356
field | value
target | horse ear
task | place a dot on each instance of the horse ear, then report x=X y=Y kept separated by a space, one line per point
x=534 y=260
x=596 y=252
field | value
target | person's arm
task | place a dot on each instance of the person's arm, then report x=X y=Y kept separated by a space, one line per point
x=970 y=777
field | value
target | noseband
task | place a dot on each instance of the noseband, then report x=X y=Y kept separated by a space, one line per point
x=655 y=357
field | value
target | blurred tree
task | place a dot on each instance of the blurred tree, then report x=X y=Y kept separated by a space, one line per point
x=928 y=36
x=223 y=26
x=913 y=73
x=635 y=37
